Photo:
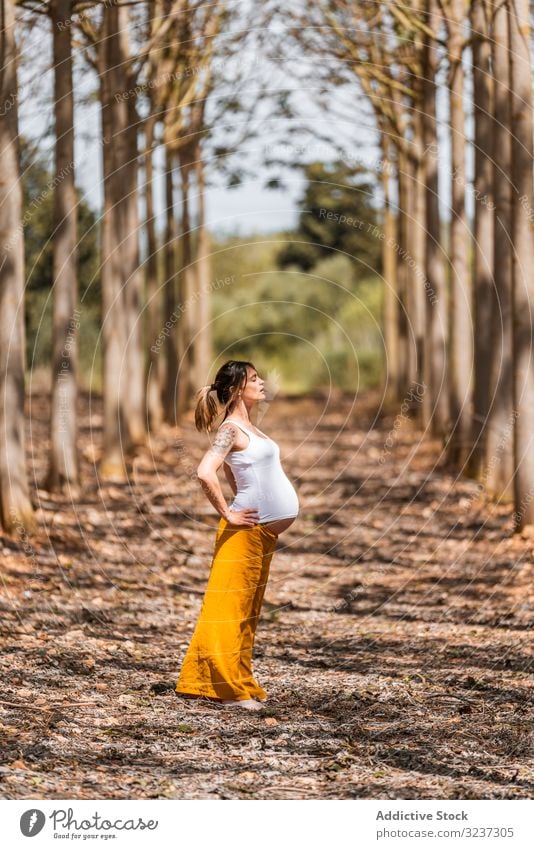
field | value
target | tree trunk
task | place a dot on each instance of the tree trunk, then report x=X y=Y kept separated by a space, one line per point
x=435 y=399
x=389 y=263
x=498 y=468
x=63 y=471
x=135 y=401
x=523 y=259
x=154 y=382
x=414 y=271
x=418 y=266
x=123 y=415
x=483 y=264
x=186 y=377
x=172 y=321
x=408 y=262
x=461 y=343
x=16 y=512
x=203 y=347
x=114 y=324
x=416 y=230
x=402 y=276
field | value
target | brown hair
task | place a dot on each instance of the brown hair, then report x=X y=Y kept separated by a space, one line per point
x=231 y=377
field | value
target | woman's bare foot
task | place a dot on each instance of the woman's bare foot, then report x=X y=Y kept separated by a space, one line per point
x=248 y=704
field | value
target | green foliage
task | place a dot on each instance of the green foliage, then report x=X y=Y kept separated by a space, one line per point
x=337 y=214
x=314 y=322
x=318 y=328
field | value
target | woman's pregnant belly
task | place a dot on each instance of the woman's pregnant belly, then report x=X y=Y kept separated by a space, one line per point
x=275 y=500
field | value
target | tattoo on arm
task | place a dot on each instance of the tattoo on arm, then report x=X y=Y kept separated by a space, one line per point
x=224 y=440
x=222 y=444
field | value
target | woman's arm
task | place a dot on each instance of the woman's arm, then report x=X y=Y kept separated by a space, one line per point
x=211 y=462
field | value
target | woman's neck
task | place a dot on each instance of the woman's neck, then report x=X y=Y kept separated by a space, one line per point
x=241 y=412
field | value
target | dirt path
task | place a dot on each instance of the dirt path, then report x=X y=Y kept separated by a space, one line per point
x=395 y=641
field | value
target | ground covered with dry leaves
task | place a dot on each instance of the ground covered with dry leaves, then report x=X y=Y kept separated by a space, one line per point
x=395 y=640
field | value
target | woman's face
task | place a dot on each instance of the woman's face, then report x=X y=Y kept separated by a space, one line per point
x=254 y=391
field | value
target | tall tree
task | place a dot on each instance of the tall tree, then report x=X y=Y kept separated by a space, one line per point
x=389 y=270
x=121 y=280
x=186 y=283
x=435 y=399
x=16 y=510
x=483 y=265
x=523 y=257
x=181 y=99
x=461 y=328
x=154 y=374
x=171 y=266
x=382 y=45
x=204 y=342
x=64 y=468
x=498 y=417
x=413 y=59
x=403 y=281
x=119 y=67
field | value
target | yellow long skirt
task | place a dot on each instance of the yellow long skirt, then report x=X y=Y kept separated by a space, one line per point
x=218 y=662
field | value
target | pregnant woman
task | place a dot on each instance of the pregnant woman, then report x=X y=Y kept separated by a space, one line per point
x=218 y=662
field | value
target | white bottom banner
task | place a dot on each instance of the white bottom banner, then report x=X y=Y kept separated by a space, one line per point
x=311 y=824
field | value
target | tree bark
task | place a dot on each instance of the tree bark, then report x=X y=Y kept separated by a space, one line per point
x=123 y=406
x=402 y=277
x=523 y=258
x=435 y=399
x=135 y=400
x=414 y=271
x=498 y=467
x=63 y=474
x=186 y=377
x=389 y=264
x=483 y=262
x=173 y=318
x=417 y=269
x=16 y=512
x=461 y=340
x=154 y=375
x=203 y=347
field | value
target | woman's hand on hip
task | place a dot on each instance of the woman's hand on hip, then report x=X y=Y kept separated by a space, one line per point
x=243 y=518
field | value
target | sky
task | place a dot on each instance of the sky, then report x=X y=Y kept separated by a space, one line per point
x=312 y=134
x=249 y=208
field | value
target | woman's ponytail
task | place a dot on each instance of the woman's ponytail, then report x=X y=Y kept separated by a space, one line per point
x=206 y=409
x=214 y=397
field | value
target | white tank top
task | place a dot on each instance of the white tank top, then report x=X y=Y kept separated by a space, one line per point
x=261 y=481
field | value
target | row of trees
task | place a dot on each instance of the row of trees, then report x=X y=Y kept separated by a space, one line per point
x=161 y=91
x=458 y=298
x=459 y=291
